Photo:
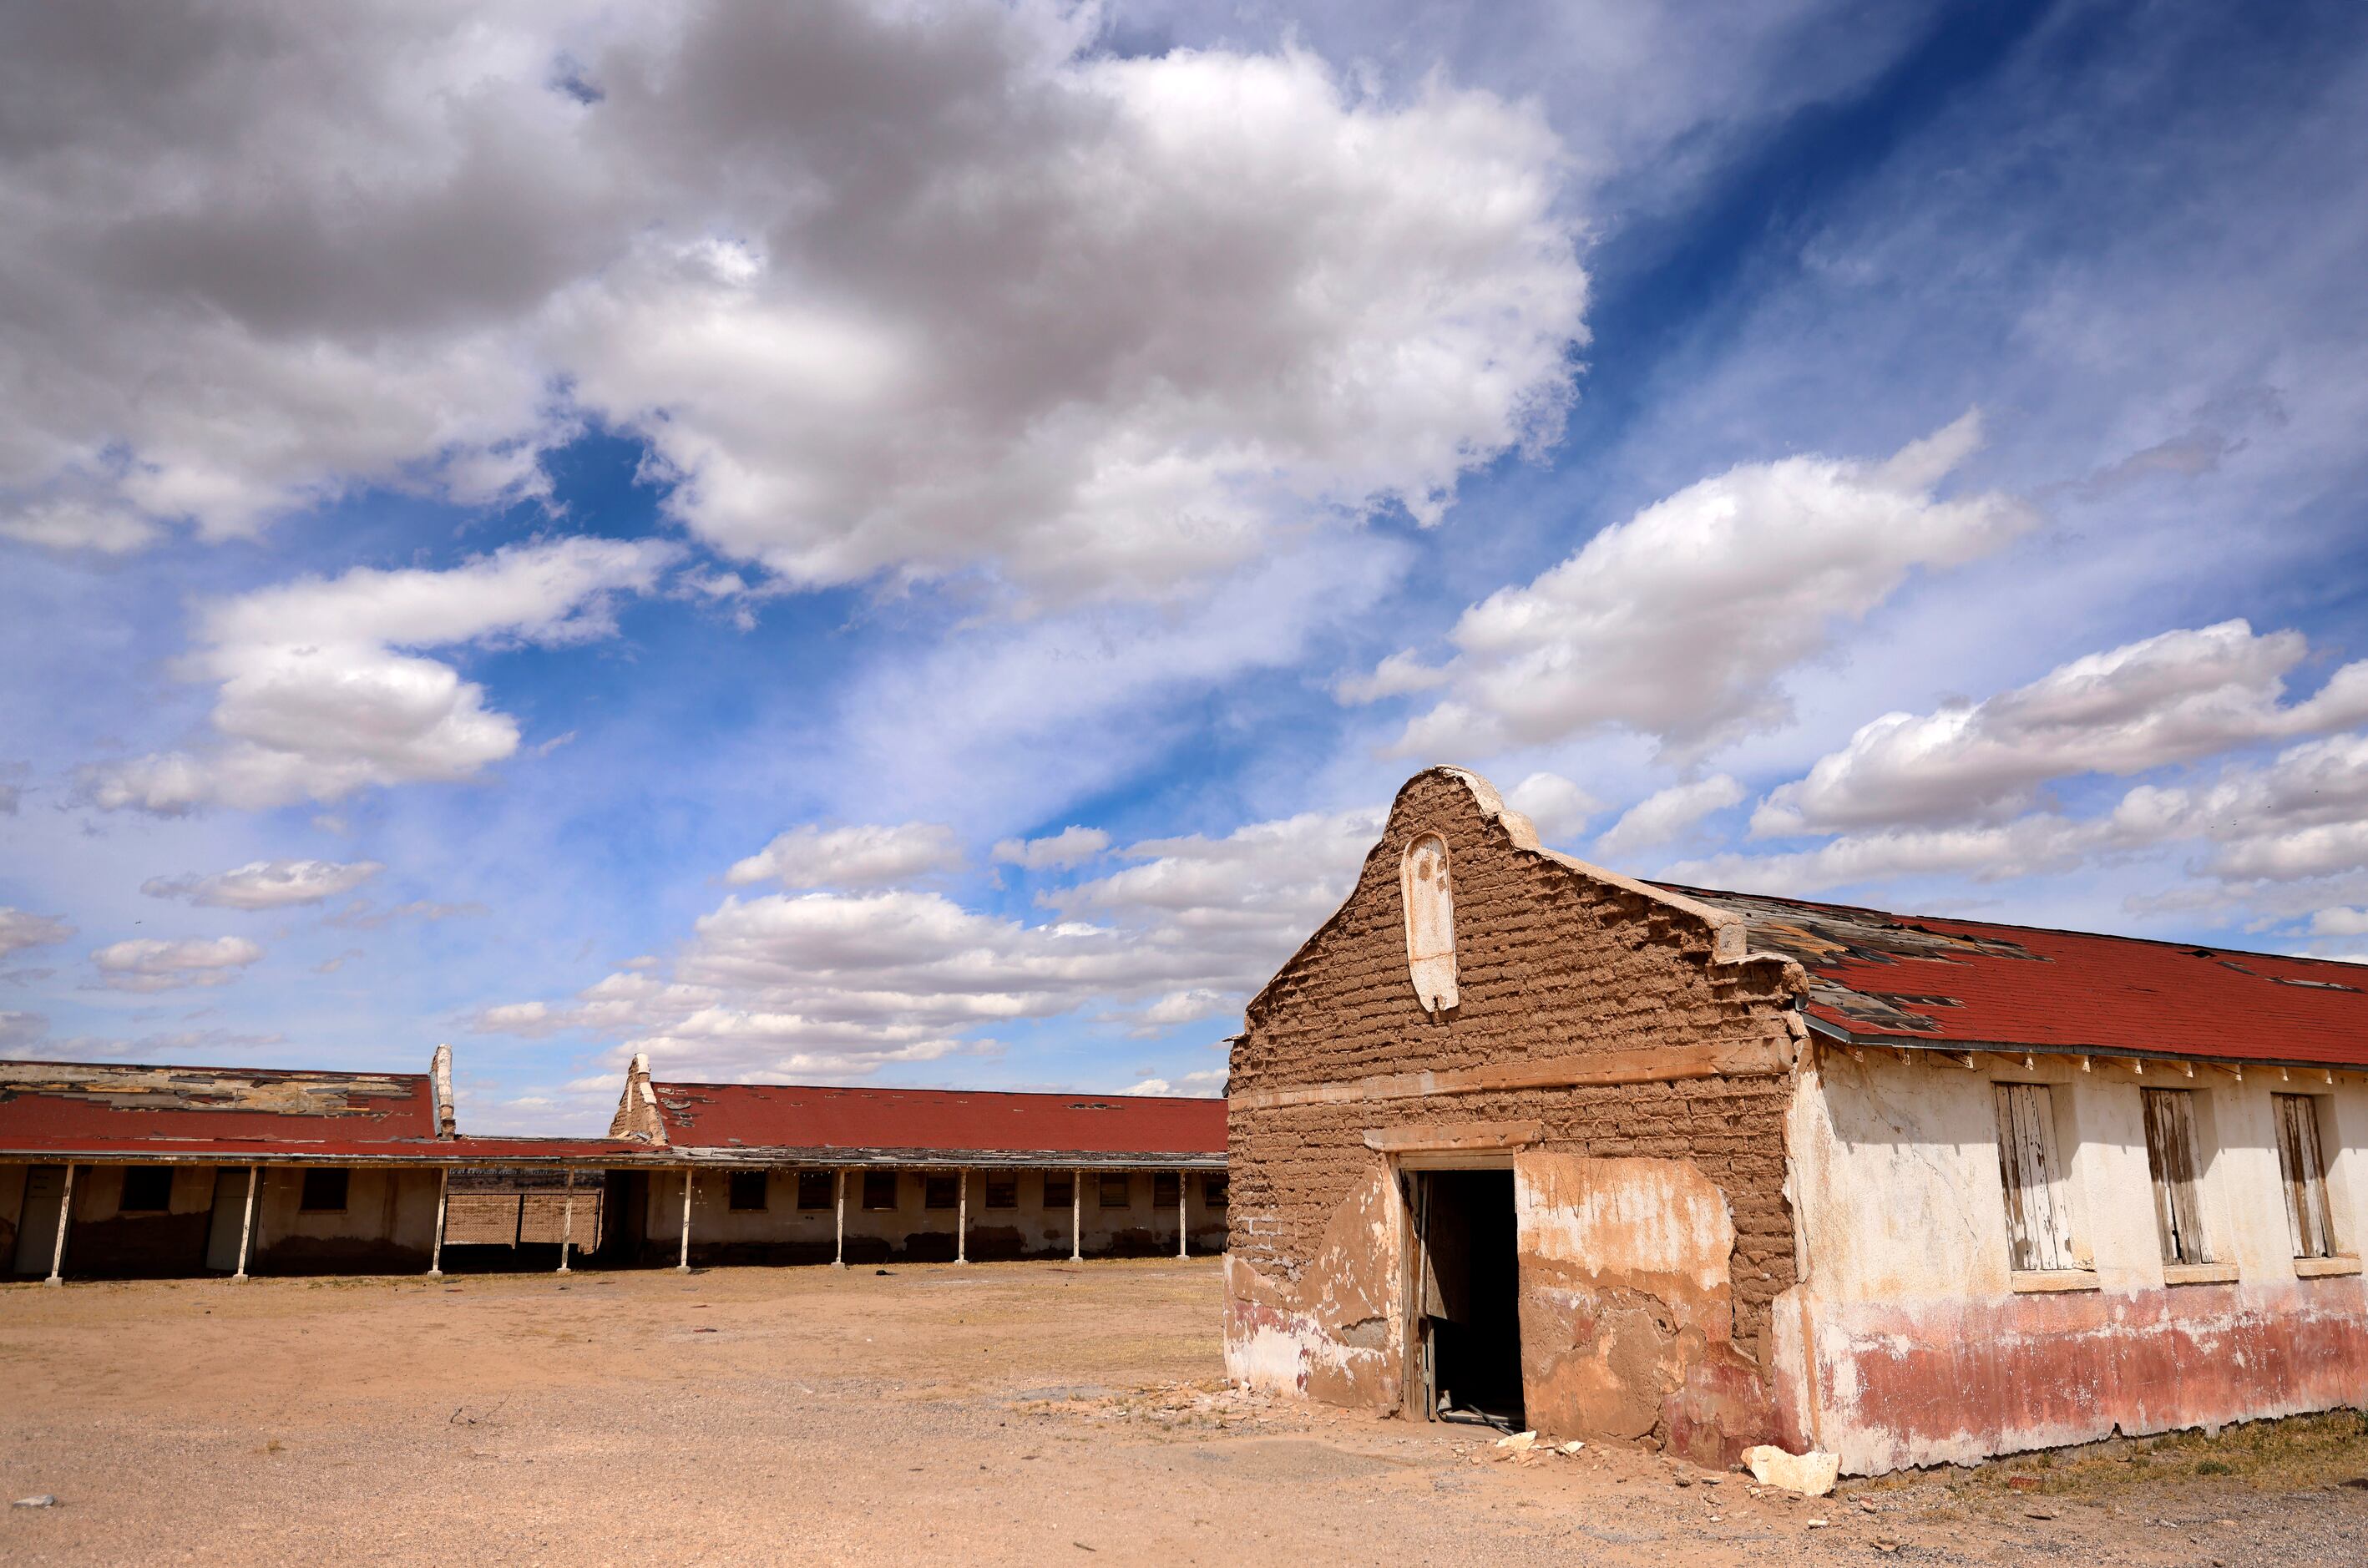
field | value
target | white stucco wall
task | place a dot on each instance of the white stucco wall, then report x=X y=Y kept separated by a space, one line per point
x=1898 y=1196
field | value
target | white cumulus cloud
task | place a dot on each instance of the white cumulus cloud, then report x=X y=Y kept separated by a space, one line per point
x=150 y=964
x=266 y=884
x=1059 y=851
x=839 y=984
x=887 y=290
x=859 y=857
x=320 y=694
x=2174 y=698
x=1662 y=816
x=1554 y=805
x=21 y=930
x=1681 y=621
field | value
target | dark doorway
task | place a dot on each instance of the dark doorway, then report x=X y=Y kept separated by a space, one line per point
x=1469 y=1332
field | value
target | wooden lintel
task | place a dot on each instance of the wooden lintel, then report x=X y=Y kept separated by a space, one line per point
x=1666 y=1064
x=1432 y=1137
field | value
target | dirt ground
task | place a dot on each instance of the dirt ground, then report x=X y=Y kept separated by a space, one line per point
x=1023 y=1413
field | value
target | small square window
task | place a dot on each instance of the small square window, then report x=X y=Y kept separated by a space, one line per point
x=1212 y=1191
x=1116 y=1190
x=750 y=1188
x=325 y=1191
x=940 y=1192
x=817 y=1190
x=1060 y=1190
x=147 y=1190
x=1003 y=1189
x=879 y=1189
x=1167 y=1189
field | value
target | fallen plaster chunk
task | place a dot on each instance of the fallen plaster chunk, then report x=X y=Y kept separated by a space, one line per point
x=1519 y=1442
x=46 y=1500
x=1811 y=1474
x=1572 y=1446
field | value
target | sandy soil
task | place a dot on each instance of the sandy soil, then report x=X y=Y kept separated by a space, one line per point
x=1023 y=1413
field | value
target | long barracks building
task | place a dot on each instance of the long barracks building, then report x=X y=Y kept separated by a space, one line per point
x=129 y=1171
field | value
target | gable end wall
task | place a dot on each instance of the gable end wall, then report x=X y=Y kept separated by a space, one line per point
x=1557 y=964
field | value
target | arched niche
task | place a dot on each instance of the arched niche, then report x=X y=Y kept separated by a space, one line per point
x=1430 y=921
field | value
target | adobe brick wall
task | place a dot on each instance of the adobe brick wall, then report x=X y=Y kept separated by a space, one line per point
x=1554 y=964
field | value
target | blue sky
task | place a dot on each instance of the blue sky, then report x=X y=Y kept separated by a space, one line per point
x=912 y=545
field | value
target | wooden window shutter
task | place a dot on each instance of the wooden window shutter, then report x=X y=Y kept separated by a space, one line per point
x=2038 y=1214
x=2170 y=1156
x=2305 y=1176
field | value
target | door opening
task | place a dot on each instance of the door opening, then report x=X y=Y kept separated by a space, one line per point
x=1468 y=1324
x=38 y=1220
x=225 y=1229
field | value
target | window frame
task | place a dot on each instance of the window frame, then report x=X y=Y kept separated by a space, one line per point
x=304 y=1204
x=2175 y=1167
x=1217 y=1190
x=872 y=1181
x=826 y=1180
x=2035 y=1180
x=1167 y=1189
x=123 y=1204
x=1004 y=1184
x=941 y=1191
x=735 y=1188
x=2302 y=1143
x=1102 y=1180
x=1060 y=1189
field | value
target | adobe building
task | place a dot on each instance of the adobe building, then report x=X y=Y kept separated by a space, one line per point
x=1516 y=1138
x=160 y=1171
x=778 y=1173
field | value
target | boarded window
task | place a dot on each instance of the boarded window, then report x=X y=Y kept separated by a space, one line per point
x=940 y=1192
x=879 y=1189
x=324 y=1192
x=2038 y=1212
x=750 y=1189
x=1167 y=1189
x=1212 y=1191
x=1429 y=922
x=1003 y=1189
x=1114 y=1193
x=147 y=1190
x=1060 y=1190
x=2170 y=1156
x=817 y=1190
x=2305 y=1176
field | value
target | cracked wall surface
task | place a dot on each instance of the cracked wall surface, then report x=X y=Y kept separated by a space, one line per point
x=1564 y=973
x=1914 y=1342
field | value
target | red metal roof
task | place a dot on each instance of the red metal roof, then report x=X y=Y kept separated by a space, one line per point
x=242 y=1113
x=796 y=1116
x=1927 y=980
x=73 y=1099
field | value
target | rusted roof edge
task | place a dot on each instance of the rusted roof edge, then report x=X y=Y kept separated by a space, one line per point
x=1835 y=1034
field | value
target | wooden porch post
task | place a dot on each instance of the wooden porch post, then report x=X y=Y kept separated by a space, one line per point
x=1076 y=1215
x=961 y=1220
x=689 y=1180
x=567 y=1220
x=838 y=1258
x=1183 y=1236
x=443 y=1193
x=246 y=1218
x=65 y=1218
